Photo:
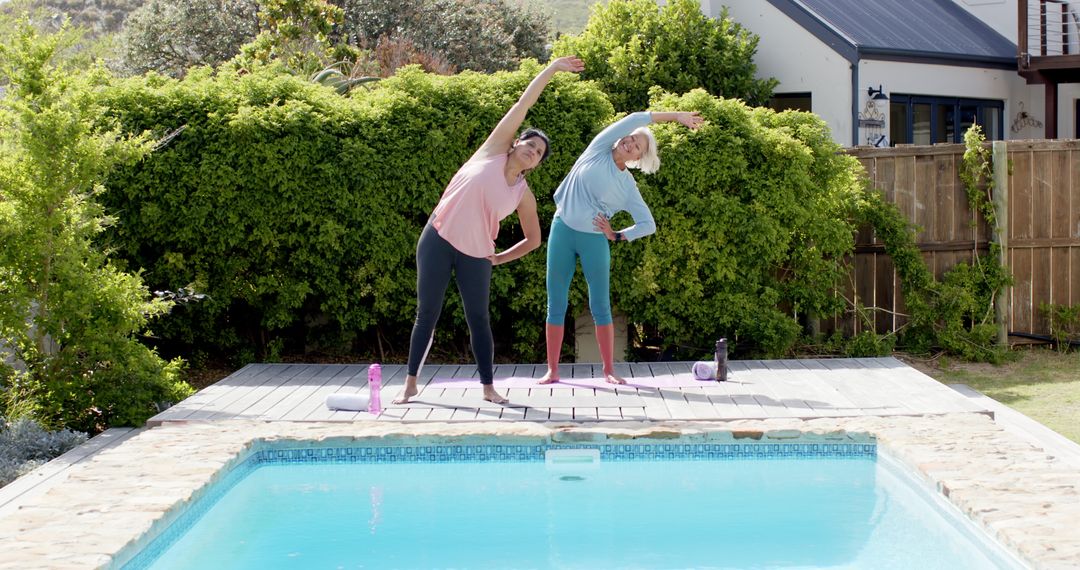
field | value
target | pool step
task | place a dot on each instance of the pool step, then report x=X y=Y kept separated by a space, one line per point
x=571 y=459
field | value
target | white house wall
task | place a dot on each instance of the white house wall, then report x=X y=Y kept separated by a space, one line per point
x=801 y=62
x=953 y=81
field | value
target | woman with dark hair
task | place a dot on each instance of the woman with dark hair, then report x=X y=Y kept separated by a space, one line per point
x=460 y=236
x=599 y=185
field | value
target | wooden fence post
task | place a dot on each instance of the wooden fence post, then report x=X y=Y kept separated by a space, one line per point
x=1001 y=235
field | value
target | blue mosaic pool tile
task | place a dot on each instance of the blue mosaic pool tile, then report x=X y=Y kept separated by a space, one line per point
x=535 y=453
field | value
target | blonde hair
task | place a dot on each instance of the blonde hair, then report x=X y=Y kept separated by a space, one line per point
x=650 y=160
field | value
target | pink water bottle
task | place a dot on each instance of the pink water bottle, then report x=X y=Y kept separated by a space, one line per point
x=374 y=379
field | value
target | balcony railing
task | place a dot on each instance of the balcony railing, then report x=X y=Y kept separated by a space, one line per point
x=1048 y=42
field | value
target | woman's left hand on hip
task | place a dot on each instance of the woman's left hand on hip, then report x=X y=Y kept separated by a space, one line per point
x=601 y=223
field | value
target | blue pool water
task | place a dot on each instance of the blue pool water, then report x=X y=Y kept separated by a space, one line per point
x=841 y=512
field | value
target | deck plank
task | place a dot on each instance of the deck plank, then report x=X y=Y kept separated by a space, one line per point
x=803 y=388
x=741 y=385
x=720 y=396
x=206 y=397
x=233 y=402
x=850 y=377
x=560 y=414
x=833 y=393
x=652 y=399
x=922 y=387
x=674 y=398
x=351 y=380
x=255 y=401
x=781 y=386
x=272 y=410
x=824 y=399
x=909 y=396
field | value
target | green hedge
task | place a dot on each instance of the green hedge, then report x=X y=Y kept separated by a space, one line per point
x=290 y=205
x=297 y=211
x=753 y=213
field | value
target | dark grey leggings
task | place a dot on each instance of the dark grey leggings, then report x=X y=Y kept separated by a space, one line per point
x=435 y=258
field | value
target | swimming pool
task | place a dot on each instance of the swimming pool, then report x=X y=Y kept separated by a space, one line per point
x=640 y=505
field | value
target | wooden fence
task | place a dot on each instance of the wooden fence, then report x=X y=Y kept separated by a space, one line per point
x=1043 y=229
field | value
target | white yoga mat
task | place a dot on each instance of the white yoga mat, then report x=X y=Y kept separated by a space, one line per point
x=348 y=402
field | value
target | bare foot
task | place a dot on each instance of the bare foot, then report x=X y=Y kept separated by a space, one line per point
x=492 y=396
x=613 y=378
x=410 y=391
x=551 y=377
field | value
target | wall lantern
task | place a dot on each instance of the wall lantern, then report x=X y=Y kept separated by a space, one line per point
x=877 y=94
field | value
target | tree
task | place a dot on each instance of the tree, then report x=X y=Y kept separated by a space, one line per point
x=97 y=17
x=631 y=45
x=296 y=33
x=442 y=35
x=66 y=312
x=482 y=35
x=170 y=37
x=92 y=24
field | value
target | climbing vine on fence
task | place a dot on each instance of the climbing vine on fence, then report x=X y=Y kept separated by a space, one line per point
x=955 y=314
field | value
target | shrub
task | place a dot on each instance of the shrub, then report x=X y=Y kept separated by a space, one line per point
x=170 y=37
x=297 y=35
x=25 y=446
x=754 y=218
x=1064 y=323
x=66 y=311
x=629 y=46
x=479 y=35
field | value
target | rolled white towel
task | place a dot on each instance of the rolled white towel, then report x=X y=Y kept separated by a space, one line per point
x=704 y=370
x=349 y=402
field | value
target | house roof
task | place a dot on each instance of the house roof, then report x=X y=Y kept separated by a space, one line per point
x=934 y=31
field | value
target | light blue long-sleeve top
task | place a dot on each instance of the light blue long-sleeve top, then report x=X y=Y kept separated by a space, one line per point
x=596 y=186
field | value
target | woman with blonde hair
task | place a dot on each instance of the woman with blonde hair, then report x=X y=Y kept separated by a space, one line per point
x=460 y=235
x=598 y=186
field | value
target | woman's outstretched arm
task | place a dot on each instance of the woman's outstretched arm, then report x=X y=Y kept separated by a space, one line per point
x=690 y=119
x=502 y=136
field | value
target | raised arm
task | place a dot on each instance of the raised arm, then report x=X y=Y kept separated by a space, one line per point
x=690 y=119
x=503 y=135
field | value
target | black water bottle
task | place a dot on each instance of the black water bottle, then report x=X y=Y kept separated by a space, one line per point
x=721 y=360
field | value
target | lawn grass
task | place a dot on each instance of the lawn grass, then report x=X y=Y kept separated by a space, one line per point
x=1041 y=383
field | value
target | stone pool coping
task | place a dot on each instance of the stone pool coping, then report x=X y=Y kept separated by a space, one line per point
x=1026 y=498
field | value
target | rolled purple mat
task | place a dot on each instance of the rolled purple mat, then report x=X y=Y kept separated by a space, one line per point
x=704 y=370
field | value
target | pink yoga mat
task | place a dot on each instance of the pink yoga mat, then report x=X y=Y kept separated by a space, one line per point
x=662 y=381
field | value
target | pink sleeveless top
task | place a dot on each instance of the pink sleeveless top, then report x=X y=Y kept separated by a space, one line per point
x=473 y=204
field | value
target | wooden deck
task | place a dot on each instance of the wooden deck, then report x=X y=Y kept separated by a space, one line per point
x=755 y=389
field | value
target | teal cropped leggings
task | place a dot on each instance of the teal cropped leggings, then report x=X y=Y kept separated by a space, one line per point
x=564 y=247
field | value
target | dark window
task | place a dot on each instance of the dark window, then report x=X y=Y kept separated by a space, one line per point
x=790 y=102
x=921 y=124
x=917 y=119
x=1076 y=117
x=898 y=115
x=992 y=117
